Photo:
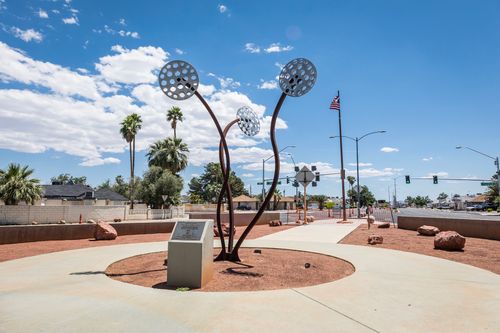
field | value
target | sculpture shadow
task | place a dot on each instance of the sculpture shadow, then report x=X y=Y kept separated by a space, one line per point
x=239 y=270
x=88 y=273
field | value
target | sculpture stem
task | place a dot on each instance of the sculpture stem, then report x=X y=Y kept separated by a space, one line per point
x=233 y=256
x=226 y=175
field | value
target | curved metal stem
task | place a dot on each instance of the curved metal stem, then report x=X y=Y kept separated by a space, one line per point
x=226 y=175
x=227 y=189
x=233 y=256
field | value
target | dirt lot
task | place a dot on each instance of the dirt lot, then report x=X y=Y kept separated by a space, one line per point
x=482 y=253
x=20 y=250
x=269 y=270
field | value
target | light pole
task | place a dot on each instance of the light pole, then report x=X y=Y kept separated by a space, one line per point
x=263 y=169
x=357 y=139
x=495 y=159
x=295 y=167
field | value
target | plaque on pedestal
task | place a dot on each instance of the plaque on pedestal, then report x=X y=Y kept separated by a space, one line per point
x=190 y=254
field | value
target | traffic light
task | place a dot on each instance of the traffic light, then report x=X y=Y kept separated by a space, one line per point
x=295 y=183
x=288 y=180
x=435 y=179
x=407 y=178
x=317 y=177
x=313 y=168
x=314 y=184
x=297 y=169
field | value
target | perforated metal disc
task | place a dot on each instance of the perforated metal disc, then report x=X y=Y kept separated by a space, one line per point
x=178 y=80
x=297 y=77
x=248 y=121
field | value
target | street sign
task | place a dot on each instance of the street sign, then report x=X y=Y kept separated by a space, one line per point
x=259 y=183
x=270 y=183
x=488 y=183
x=304 y=176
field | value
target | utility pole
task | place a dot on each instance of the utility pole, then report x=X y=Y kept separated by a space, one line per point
x=342 y=170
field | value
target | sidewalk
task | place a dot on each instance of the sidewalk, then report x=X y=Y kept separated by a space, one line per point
x=391 y=291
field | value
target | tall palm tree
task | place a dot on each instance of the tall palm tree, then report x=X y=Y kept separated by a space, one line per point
x=16 y=185
x=351 y=180
x=169 y=154
x=173 y=116
x=129 y=128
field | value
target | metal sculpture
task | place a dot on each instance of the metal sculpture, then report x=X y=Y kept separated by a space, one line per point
x=179 y=80
x=249 y=124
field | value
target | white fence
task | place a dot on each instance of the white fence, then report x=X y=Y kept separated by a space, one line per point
x=71 y=214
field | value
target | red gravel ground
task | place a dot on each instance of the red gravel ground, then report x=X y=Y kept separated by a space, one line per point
x=482 y=253
x=269 y=270
x=20 y=250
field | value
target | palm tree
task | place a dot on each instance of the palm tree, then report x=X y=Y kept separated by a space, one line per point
x=16 y=185
x=173 y=116
x=351 y=180
x=129 y=128
x=276 y=198
x=169 y=154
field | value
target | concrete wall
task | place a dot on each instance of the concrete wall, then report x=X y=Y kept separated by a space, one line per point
x=488 y=229
x=240 y=218
x=24 y=214
x=32 y=233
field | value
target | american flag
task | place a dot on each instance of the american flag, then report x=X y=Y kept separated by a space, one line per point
x=335 y=103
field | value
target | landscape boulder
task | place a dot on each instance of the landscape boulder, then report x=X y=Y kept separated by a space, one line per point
x=449 y=240
x=117 y=220
x=275 y=223
x=62 y=222
x=34 y=222
x=104 y=231
x=310 y=218
x=375 y=239
x=384 y=225
x=427 y=230
x=225 y=230
x=91 y=221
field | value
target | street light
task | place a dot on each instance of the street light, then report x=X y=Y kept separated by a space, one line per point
x=495 y=159
x=357 y=139
x=263 y=168
x=295 y=168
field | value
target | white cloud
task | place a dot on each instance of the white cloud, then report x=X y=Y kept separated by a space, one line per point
x=427 y=159
x=272 y=84
x=55 y=11
x=2 y=5
x=179 y=51
x=276 y=48
x=361 y=164
x=27 y=35
x=222 y=8
x=78 y=113
x=132 y=66
x=70 y=20
x=99 y=161
x=122 y=22
x=252 y=48
x=248 y=175
x=389 y=150
x=43 y=14
x=132 y=34
x=226 y=82
x=279 y=65
x=439 y=174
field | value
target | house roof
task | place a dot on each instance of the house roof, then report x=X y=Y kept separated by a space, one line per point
x=287 y=199
x=79 y=192
x=73 y=191
x=479 y=198
x=244 y=198
x=107 y=194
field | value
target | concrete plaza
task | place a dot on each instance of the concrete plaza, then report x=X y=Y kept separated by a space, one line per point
x=390 y=291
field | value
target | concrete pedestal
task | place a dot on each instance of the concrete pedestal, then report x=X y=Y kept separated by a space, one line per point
x=190 y=254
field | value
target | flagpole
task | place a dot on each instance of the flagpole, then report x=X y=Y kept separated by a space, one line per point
x=342 y=171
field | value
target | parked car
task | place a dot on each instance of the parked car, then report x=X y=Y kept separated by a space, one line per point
x=244 y=207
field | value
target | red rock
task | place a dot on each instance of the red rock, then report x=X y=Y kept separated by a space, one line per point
x=275 y=223
x=104 y=231
x=117 y=220
x=225 y=230
x=449 y=240
x=375 y=239
x=384 y=225
x=427 y=230
x=309 y=218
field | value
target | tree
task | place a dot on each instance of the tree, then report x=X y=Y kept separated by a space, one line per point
x=208 y=185
x=129 y=128
x=17 y=186
x=277 y=198
x=67 y=179
x=158 y=182
x=410 y=200
x=421 y=201
x=320 y=199
x=329 y=206
x=170 y=154
x=442 y=197
x=366 y=197
x=120 y=186
x=492 y=192
x=174 y=115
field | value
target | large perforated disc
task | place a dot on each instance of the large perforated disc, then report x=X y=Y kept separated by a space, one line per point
x=248 y=121
x=178 y=80
x=297 y=77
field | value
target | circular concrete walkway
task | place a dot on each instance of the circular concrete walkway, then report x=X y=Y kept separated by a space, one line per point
x=390 y=291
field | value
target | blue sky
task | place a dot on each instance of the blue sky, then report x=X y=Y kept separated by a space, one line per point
x=426 y=71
